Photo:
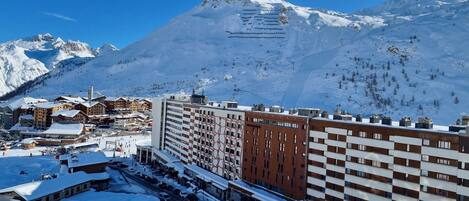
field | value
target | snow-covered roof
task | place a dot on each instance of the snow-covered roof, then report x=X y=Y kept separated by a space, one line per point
x=66 y=113
x=38 y=189
x=65 y=129
x=85 y=159
x=143 y=143
x=166 y=156
x=208 y=176
x=24 y=103
x=71 y=99
x=257 y=191
x=90 y=104
x=47 y=105
x=28 y=141
x=18 y=127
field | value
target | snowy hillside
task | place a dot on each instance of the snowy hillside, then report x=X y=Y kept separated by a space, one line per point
x=400 y=58
x=26 y=59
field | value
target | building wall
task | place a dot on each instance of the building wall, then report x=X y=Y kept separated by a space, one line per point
x=218 y=138
x=42 y=116
x=362 y=161
x=274 y=153
x=95 y=168
x=157 y=133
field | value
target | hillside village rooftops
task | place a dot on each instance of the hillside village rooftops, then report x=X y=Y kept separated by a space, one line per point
x=71 y=99
x=47 y=105
x=66 y=113
x=65 y=129
x=84 y=159
x=23 y=103
x=38 y=189
x=90 y=104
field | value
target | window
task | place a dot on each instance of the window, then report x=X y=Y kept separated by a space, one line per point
x=426 y=142
x=444 y=144
x=443 y=161
x=361 y=160
x=362 y=134
x=442 y=177
x=377 y=136
x=376 y=164
x=425 y=158
x=361 y=147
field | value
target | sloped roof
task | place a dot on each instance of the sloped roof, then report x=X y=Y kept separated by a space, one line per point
x=85 y=159
x=65 y=129
x=66 y=113
x=24 y=103
x=90 y=104
x=72 y=99
x=38 y=189
x=47 y=105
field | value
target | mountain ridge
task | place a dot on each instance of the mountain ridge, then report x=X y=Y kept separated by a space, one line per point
x=26 y=59
x=269 y=52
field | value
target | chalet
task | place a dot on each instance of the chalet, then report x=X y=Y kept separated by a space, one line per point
x=28 y=143
x=134 y=105
x=145 y=105
x=63 y=186
x=91 y=108
x=43 y=113
x=117 y=104
x=89 y=162
x=60 y=134
x=70 y=99
x=69 y=116
x=11 y=111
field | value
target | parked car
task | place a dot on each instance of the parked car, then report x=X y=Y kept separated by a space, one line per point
x=164 y=196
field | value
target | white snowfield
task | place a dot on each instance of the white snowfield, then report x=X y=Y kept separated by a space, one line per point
x=401 y=58
x=26 y=59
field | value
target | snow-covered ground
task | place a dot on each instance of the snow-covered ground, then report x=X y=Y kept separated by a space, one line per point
x=33 y=168
x=402 y=58
x=127 y=142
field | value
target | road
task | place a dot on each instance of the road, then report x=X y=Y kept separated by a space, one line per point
x=150 y=186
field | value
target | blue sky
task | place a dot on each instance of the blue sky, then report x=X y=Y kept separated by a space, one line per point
x=119 y=22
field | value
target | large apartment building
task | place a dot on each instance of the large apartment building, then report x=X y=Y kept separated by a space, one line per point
x=168 y=125
x=306 y=154
x=275 y=151
x=217 y=139
x=359 y=160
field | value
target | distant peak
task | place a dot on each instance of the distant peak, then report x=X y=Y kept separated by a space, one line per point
x=106 y=48
x=42 y=37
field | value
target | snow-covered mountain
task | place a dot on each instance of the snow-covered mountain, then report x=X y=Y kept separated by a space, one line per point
x=26 y=59
x=405 y=57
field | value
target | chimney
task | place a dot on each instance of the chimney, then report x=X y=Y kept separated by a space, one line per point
x=359 y=118
x=386 y=121
x=425 y=123
x=374 y=119
x=405 y=122
x=90 y=93
x=324 y=114
x=465 y=120
x=276 y=109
